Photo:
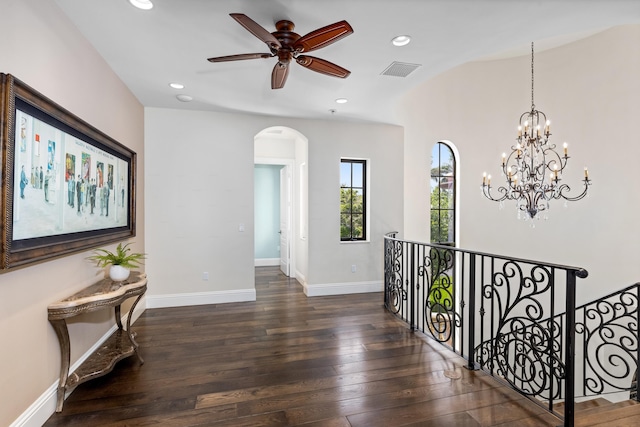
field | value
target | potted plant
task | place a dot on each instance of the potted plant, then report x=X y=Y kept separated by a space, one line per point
x=120 y=261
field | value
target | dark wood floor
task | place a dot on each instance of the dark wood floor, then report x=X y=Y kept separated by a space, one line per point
x=289 y=360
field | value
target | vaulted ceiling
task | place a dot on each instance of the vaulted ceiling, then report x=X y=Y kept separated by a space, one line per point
x=172 y=41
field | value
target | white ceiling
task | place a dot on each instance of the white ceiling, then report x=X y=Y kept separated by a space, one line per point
x=171 y=42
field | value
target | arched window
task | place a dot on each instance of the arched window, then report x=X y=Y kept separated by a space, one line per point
x=443 y=195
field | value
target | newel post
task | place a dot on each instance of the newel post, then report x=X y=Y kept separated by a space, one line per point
x=570 y=346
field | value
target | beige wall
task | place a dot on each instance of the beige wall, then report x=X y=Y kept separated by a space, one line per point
x=590 y=90
x=43 y=49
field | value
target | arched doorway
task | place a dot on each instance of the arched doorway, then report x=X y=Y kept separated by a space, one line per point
x=283 y=152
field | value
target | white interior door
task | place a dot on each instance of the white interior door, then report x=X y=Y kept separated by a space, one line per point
x=285 y=220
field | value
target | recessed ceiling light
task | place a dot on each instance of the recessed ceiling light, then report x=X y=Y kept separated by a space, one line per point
x=401 y=40
x=142 y=4
x=342 y=101
x=176 y=85
x=184 y=98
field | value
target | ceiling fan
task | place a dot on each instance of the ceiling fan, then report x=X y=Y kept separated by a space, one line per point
x=288 y=46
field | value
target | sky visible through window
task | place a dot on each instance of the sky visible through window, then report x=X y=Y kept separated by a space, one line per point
x=439 y=157
x=345 y=175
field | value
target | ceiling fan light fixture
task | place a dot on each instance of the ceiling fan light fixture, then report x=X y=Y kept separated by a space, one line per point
x=176 y=85
x=342 y=101
x=142 y=4
x=402 y=40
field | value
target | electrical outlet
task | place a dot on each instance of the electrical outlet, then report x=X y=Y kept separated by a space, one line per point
x=241 y=228
x=205 y=275
x=353 y=268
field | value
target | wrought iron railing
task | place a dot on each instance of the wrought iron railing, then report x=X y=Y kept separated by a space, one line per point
x=607 y=341
x=606 y=345
x=494 y=311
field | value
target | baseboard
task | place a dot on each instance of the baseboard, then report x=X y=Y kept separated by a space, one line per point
x=314 y=290
x=40 y=410
x=200 y=298
x=266 y=262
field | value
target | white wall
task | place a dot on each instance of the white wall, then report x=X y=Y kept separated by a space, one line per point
x=330 y=260
x=268 y=145
x=590 y=90
x=194 y=208
x=301 y=218
x=43 y=49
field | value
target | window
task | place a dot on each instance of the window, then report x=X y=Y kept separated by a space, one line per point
x=443 y=195
x=353 y=202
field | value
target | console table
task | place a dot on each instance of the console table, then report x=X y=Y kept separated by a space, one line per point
x=118 y=346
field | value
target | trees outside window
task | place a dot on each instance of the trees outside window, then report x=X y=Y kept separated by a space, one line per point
x=353 y=201
x=443 y=195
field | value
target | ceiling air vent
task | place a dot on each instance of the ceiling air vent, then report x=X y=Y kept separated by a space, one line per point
x=399 y=69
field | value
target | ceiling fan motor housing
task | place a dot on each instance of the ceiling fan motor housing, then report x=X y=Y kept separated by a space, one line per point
x=285 y=34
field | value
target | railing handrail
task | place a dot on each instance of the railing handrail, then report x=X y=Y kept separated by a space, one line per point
x=600 y=299
x=612 y=294
x=580 y=272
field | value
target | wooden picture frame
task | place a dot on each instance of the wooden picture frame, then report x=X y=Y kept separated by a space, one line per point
x=61 y=178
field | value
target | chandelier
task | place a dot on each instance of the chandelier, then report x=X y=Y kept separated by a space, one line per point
x=533 y=170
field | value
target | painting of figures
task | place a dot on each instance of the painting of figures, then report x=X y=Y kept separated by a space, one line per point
x=53 y=205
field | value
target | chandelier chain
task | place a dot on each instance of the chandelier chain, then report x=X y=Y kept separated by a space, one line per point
x=532 y=104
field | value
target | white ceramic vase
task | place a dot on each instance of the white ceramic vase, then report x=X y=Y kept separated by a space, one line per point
x=118 y=273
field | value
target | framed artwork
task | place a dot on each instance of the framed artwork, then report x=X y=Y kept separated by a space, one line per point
x=59 y=202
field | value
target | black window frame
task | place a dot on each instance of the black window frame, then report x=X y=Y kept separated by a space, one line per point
x=351 y=214
x=438 y=210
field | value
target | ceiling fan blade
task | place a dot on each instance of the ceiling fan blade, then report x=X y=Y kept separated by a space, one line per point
x=240 y=57
x=279 y=75
x=257 y=30
x=322 y=66
x=323 y=37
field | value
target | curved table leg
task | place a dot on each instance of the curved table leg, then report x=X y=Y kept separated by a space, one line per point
x=131 y=334
x=118 y=316
x=60 y=326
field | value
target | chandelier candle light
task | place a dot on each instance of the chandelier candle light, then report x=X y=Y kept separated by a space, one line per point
x=533 y=169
